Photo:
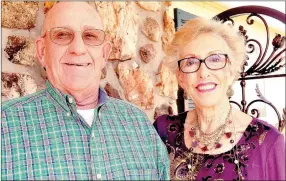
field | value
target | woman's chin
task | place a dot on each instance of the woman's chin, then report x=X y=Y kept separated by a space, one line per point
x=207 y=102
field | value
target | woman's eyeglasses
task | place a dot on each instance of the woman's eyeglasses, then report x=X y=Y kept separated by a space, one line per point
x=212 y=62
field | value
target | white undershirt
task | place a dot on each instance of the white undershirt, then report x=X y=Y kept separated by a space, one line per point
x=87 y=114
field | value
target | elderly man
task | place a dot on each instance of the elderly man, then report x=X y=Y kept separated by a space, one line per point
x=72 y=130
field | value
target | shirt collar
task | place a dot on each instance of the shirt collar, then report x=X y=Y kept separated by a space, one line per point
x=64 y=100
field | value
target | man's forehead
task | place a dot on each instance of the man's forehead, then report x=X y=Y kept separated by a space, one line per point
x=68 y=13
x=62 y=5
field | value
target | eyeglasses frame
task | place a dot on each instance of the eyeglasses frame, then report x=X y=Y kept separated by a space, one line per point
x=44 y=35
x=203 y=61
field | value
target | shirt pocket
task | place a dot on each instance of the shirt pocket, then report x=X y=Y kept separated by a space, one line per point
x=134 y=174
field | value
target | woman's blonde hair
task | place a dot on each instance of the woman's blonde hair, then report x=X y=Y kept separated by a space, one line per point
x=193 y=28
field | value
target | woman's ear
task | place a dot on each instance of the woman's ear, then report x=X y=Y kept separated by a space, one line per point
x=180 y=78
x=40 y=49
x=231 y=77
x=231 y=74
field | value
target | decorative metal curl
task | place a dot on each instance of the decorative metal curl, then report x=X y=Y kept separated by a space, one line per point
x=260 y=58
x=249 y=19
x=273 y=66
x=253 y=111
x=260 y=95
x=228 y=19
x=251 y=46
x=282 y=122
x=263 y=100
x=237 y=104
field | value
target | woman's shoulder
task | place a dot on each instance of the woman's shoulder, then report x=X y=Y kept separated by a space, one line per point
x=266 y=133
x=167 y=122
x=267 y=127
x=255 y=128
x=167 y=119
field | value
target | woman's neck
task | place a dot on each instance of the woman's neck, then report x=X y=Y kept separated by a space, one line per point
x=210 y=118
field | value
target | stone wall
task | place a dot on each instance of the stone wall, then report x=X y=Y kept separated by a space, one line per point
x=139 y=32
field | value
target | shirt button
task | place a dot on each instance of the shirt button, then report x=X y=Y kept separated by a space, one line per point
x=70 y=100
x=92 y=135
x=98 y=176
x=68 y=114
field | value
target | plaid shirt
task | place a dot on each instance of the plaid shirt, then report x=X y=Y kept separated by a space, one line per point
x=43 y=137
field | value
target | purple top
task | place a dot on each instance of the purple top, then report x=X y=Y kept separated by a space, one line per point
x=260 y=152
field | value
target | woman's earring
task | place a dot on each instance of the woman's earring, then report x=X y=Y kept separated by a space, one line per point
x=229 y=92
x=186 y=97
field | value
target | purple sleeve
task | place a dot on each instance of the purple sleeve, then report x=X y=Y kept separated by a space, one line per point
x=160 y=125
x=275 y=164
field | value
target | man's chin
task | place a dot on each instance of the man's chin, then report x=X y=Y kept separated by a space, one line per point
x=74 y=86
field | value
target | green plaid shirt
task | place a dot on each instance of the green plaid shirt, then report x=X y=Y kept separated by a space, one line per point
x=43 y=137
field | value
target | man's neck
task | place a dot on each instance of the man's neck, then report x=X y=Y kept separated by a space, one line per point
x=86 y=102
x=84 y=99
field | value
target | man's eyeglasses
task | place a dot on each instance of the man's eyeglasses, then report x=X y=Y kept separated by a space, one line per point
x=212 y=62
x=64 y=36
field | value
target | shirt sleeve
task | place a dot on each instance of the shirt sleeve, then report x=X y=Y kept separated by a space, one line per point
x=156 y=146
x=275 y=163
x=165 y=162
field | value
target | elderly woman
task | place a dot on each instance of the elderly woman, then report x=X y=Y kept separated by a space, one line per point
x=215 y=141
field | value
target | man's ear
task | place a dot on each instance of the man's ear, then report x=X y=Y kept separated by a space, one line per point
x=40 y=49
x=106 y=50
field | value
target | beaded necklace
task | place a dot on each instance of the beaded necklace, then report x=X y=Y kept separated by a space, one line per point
x=211 y=140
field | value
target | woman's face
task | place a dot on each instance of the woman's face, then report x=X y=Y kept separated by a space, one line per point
x=206 y=87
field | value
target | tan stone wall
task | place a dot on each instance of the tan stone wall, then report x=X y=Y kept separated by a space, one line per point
x=133 y=73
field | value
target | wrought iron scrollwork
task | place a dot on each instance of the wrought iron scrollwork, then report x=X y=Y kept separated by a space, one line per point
x=262 y=99
x=282 y=123
x=262 y=66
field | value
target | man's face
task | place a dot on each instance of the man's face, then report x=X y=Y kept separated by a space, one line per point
x=75 y=67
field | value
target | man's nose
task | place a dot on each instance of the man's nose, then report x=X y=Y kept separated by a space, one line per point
x=77 y=46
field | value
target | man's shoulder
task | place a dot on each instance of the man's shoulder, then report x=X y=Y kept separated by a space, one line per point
x=122 y=109
x=123 y=105
x=15 y=104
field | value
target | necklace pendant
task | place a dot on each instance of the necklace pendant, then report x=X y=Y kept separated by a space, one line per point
x=204 y=149
x=194 y=144
x=240 y=176
x=228 y=134
x=217 y=145
x=192 y=133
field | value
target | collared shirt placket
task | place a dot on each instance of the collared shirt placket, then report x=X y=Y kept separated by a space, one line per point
x=96 y=146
